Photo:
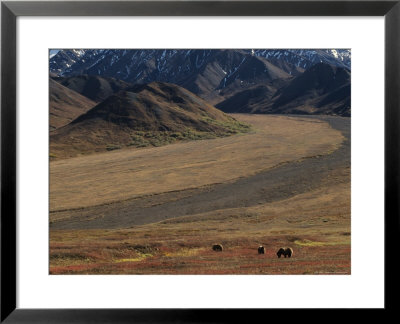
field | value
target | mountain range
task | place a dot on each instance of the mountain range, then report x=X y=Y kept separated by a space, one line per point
x=145 y=65
x=152 y=97
x=214 y=75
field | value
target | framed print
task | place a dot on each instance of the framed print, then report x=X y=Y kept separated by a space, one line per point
x=180 y=160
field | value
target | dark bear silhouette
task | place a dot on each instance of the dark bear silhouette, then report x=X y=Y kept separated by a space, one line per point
x=217 y=247
x=280 y=252
x=288 y=252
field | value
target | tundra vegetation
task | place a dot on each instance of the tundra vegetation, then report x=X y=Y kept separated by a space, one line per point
x=94 y=230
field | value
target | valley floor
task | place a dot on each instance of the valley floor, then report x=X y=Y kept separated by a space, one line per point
x=159 y=210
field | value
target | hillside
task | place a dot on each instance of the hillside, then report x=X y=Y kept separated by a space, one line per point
x=322 y=89
x=65 y=105
x=144 y=115
x=94 y=87
x=249 y=100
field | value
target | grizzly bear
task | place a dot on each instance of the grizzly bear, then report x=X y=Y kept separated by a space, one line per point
x=288 y=252
x=217 y=247
x=280 y=252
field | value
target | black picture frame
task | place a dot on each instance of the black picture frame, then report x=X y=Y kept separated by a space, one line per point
x=10 y=10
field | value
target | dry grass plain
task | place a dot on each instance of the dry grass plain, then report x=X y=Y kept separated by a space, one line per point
x=127 y=173
x=315 y=222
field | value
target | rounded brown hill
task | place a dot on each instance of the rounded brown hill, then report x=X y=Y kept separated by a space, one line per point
x=152 y=114
x=65 y=105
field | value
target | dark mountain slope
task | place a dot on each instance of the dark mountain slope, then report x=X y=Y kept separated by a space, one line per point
x=319 y=80
x=248 y=101
x=94 y=87
x=228 y=72
x=322 y=89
